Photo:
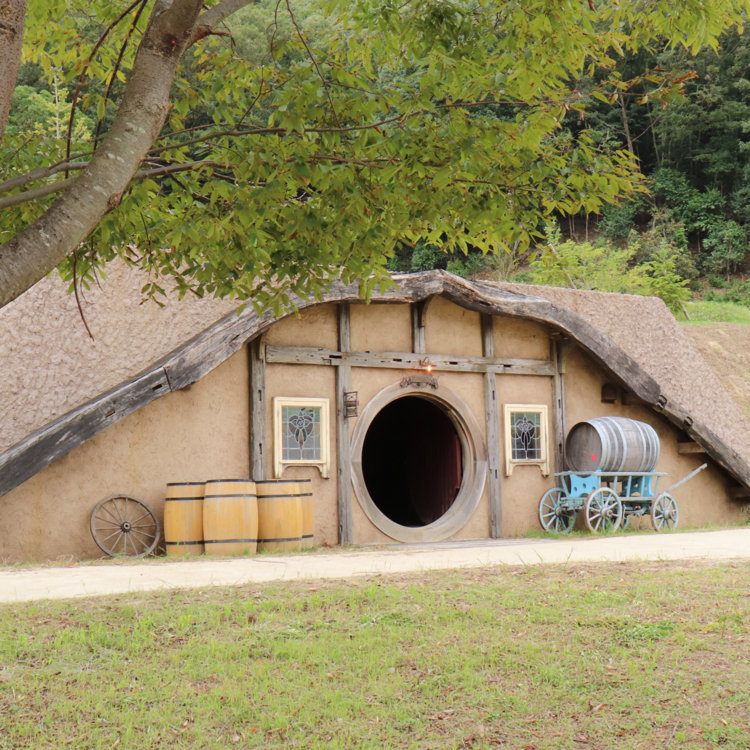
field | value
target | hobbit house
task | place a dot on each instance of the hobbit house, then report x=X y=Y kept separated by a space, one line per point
x=438 y=410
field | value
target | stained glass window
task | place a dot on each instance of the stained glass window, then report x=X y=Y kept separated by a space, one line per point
x=301 y=427
x=301 y=433
x=526 y=436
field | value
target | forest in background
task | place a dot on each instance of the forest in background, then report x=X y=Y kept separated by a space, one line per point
x=689 y=233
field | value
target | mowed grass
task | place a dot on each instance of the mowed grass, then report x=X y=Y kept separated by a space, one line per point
x=632 y=655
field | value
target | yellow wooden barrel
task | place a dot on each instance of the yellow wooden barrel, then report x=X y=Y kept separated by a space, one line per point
x=279 y=515
x=230 y=517
x=183 y=519
x=308 y=512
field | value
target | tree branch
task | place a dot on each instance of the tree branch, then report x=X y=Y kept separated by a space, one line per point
x=211 y=18
x=40 y=174
x=16 y=199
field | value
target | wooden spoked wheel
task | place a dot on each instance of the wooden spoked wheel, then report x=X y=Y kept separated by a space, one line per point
x=602 y=511
x=664 y=513
x=122 y=525
x=552 y=515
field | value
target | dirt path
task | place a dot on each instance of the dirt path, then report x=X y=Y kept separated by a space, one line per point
x=116 y=577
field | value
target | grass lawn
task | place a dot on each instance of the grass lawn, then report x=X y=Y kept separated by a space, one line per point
x=630 y=655
x=717 y=312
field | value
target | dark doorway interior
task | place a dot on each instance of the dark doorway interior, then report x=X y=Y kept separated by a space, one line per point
x=411 y=461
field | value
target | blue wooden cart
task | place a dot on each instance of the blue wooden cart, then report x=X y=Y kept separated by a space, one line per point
x=609 y=499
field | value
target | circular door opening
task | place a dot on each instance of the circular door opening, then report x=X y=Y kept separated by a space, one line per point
x=419 y=462
x=412 y=461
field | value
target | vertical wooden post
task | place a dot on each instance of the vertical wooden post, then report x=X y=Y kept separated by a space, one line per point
x=558 y=349
x=492 y=428
x=417 y=327
x=343 y=440
x=257 y=408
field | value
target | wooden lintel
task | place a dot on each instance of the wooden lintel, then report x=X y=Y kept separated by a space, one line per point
x=310 y=355
x=690 y=447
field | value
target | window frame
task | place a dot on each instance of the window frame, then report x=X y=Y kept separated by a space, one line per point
x=543 y=461
x=279 y=462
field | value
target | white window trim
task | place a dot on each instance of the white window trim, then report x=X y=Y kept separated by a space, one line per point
x=279 y=464
x=543 y=462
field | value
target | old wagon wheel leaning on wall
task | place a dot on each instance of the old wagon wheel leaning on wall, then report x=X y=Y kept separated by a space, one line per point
x=122 y=525
x=602 y=511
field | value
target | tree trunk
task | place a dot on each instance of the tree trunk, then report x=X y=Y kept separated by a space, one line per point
x=12 y=16
x=625 y=123
x=46 y=242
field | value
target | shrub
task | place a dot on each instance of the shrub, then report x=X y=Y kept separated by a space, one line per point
x=607 y=269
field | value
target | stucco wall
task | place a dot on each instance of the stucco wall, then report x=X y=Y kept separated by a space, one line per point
x=450 y=329
x=522 y=490
x=316 y=382
x=385 y=328
x=193 y=435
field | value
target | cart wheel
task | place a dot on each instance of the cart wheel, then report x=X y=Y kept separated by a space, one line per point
x=122 y=525
x=664 y=513
x=602 y=511
x=552 y=515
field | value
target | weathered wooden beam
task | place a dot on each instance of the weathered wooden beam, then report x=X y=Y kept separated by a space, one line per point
x=558 y=350
x=343 y=437
x=58 y=438
x=492 y=430
x=257 y=409
x=690 y=447
x=310 y=355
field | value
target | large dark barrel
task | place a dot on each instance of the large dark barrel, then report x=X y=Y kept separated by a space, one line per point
x=612 y=444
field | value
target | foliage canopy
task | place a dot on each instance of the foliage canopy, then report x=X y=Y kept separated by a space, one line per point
x=320 y=139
